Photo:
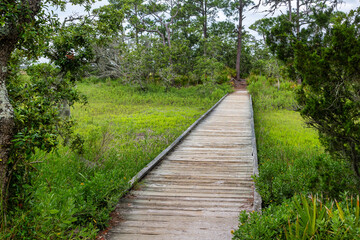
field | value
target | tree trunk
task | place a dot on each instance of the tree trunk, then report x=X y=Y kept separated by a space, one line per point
x=204 y=13
x=297 y=18
x=355 y=159
x=168 y=33
x=239 y=40
x=290 y=15
x=136 y=26
x=7 y=45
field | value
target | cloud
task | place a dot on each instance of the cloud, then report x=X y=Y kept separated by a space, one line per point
x=348 y=5
x=72 y=9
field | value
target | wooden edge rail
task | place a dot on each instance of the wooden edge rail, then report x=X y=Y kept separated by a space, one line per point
x=164 y=153
x=257 y=197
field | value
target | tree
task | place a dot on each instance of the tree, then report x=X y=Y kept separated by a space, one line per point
x=134 y=10
x=303 y=8
x=239 y=6
x=282 y=32
x=23 y=24
x=205 y=12
x=329 y=98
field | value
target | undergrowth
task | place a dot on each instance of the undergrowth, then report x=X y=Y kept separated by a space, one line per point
x=291 y=162
x=304 y=217
x=71 y=195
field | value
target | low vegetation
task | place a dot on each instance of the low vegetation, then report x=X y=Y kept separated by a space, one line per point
x=303 y=217
x=292 y=162
x=70 y=195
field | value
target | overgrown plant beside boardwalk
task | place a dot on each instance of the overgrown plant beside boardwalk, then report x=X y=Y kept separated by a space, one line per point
x=70 y=195
x=304 y=217
x=291 y=162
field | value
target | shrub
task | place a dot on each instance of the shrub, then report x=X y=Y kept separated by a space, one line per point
x=330 y=93
x=268 y=95
x=303 y=217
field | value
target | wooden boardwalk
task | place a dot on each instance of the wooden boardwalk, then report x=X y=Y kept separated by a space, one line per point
x=199 y=189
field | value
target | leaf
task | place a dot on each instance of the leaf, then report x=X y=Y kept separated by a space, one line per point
x=297 y=228
x=357 y=210
x=341 y=212
x=313 y=225
x=54 y=211
x=305 y=232
x=307 y=216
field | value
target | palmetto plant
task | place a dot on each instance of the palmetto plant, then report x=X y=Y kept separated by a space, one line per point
x=316 y=220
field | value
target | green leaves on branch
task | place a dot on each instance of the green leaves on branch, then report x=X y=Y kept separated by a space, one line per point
x=330 y=94
x=37 y=103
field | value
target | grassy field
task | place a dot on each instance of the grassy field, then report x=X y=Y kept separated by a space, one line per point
x=292 y=159
x=71 y=195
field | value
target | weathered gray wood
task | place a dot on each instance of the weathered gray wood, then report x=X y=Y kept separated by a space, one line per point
x=201 y=185
x=257 y=197
x=157 y=160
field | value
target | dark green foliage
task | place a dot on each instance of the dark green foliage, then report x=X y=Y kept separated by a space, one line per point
x=173 y=58
x=303 y=217
x=281 y=35
x=329 y=96
x=37 y=103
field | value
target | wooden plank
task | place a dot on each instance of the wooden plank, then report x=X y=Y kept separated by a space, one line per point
x=178 y=208
x=195 y=194
x=204 y=182
x=186 y=191
x=244 y=199
x=178 y=203
x=178 y=212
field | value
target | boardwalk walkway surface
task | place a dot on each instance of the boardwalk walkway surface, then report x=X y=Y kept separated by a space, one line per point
x=199 y=189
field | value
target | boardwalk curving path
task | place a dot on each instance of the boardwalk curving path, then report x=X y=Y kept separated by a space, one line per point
x=199 y=189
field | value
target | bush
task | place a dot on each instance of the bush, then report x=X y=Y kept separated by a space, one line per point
x=303 y=217
x=330 y=93
x=267 y=94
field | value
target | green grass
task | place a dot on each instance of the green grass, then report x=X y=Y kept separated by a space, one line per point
x=71 y=195
x=291 y=161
